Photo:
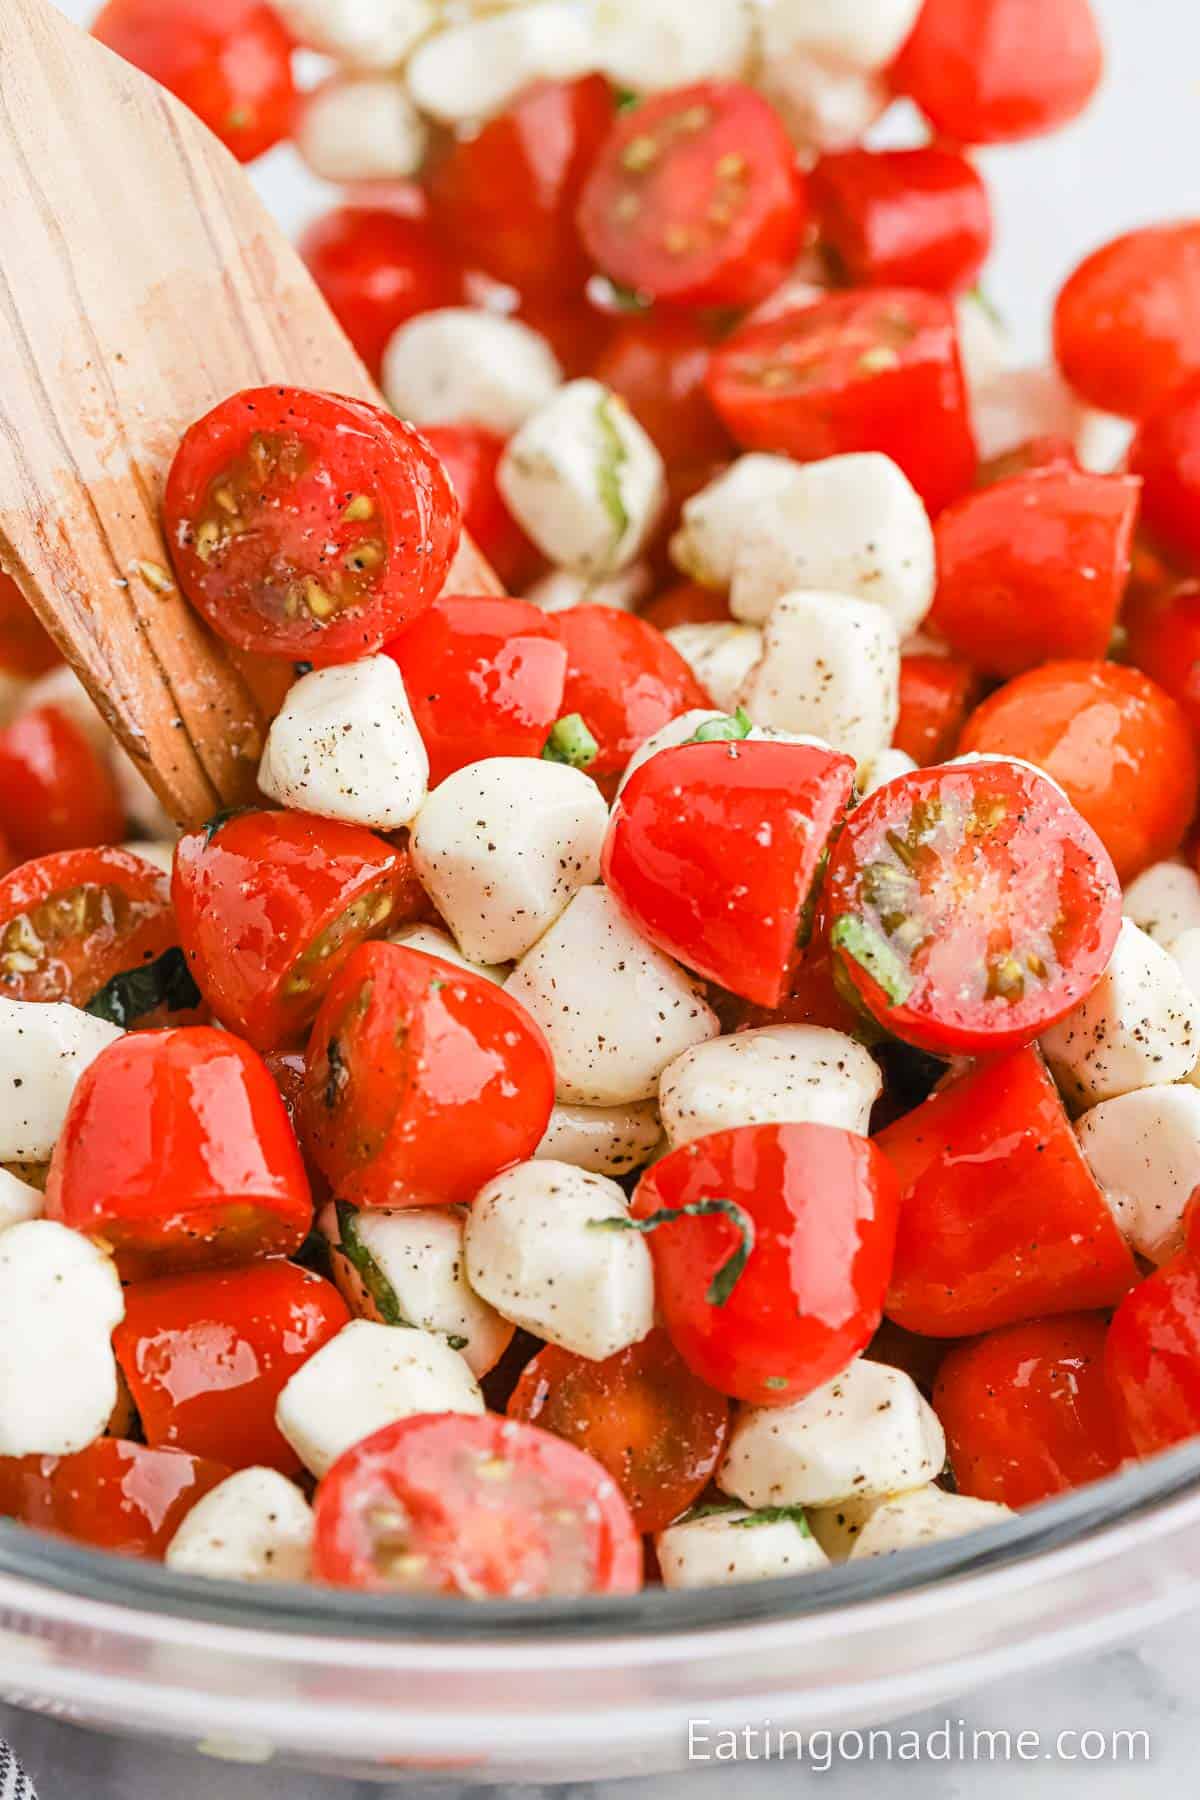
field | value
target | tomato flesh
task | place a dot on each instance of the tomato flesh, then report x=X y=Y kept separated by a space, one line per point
x=936 y=696
x=470 y=456
x=1152 y=1358
x=56 y=793
x=624 y=679
x=378 y=267
x=70 y=922
x=1166 y=454
x=903 y=218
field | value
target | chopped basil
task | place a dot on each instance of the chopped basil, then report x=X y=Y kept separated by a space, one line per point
x=778 y=1382
x=135 y=992
x=731 y=1271
x=724 y=730
x=986 y=305
x=625 y=99
x=379 y=1288
x=873 y=954
x=613 y=458
x=571 y=742
x=222 y=818
x=775 y=1515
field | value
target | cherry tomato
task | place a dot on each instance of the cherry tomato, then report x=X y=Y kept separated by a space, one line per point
x=198 y=1103
x=229 y=61
x=447 y=1503
x=658 y=363
x=916 y=218
x=1166 y=454
x=70 y=922
x=423 y=1081
x=471 y=455
x=270 y=905
x=1152 y=1358
x=56 y=793
x=624 y=679
x=687 y=603
x=308 y=526
x=26 y=647
x=696 y=198
x=1027 y=1412
x=1048 y=452
x=1163 y=640
x=1115 y=742
x=936 y=695
x=643 y=1415
x=971 y=907
x=991 y=71
x=818 y=1207
x=714 y=849
x=1127 y=323
x=207 y=1355
x=1034 y=568
x=878 y=370
x=511 y=190
x=814 y=996
x=113 y=1495
x=378 y=267
x=1000 y=1218
x=484 y=677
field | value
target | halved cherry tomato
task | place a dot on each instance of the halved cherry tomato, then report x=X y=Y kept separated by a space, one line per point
x=970 y=906
x=378 y=267
x=305 y=525
x=484 y=677
x=643 y=1415
x=878 y=370
x=696 y=198
x=916 y=218
x=113 y=1495
x=1166 y=454
x=1027 y=1412
x=69 y=923
x=446 y=1503
x=714 y=849
x=818 y=1208
x=510 y=191
x=230 y=61
x=1000 y=1217
x=1152 y=1358
x=936 y=696
x=26 y=647
x=471 y=456
x=207 y=1355
x=687 y=603
x=1115 y=742
x=658 y=363
x=624 y=679
x=55 y=791
x=423 y=1081
x=1034 y=568
x=270 y=905
x=991 y=71
x=178 y=1153
x=1127 y=323
x=1163 y=640
x=1048 y=452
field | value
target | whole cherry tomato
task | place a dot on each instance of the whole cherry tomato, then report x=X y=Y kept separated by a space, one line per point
x=1127 y=323
x=1152 y=1358
x=624 y=680
x=658 y=363
x=471 y=455
x=26 y=647
x=69 y=923
x=1163 y=640
x=936 y=696
x=56 y=793
x=1166 y=454
x=916 y=218
x=687 y=603
x=113 y=1495
x=378 y=267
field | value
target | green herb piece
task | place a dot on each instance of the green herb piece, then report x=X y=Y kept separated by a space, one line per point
x=624 y=99
x=222 y=818
x=775 y=1515
x=380 y=1290
x=873 y=954
x=613 y=458
x=778 y=1382
x=571 y=742
x=718 y=731
x=731 y=1271
x=987 y=305
x=135 y=992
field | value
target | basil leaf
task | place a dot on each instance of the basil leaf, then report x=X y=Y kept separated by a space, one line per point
x=731 y=1270
x=379 y=1288
x=135 y=992
x=873 y=954
x=608 y=474
x=775 y=1515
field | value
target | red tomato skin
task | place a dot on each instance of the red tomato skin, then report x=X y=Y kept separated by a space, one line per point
x=624 y=679
x=200 y=1104
x=1152 y=1358
x=55 y=792
x=687 y=603
x=916 y=218
x=967 y=1258
x=252 y=896
x=229 y=61
x=1034 y=568
x=511 y=191
x=1166 y=454
x=1026 y=1410
x=693 y=237
x=418 y=1464
x=1163 y=641
x=113 y=1495
x=423 y=1082
x=206 y=1356
x=713 y=852
x=823 y=1204
x=936 y=697
x=378 y=267
x=26 y=647
x=873 y=370
x=994 y=71
x=142 y=888
x=1127 y=322
x=470 y=455
x=484 y=677
x=1115 y=742
x=658 y=363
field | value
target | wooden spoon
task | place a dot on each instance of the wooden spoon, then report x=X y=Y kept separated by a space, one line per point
x=141 y=281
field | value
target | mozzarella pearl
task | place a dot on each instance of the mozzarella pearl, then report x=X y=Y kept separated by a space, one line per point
x=729 y=1547
x=926 y=1516
x=432 y=942
x=255 y=1526
x=712 y=521
x=459 y=365
x=374 y=34
x=656 y=44
x=1144 y=1150
x=837 y=1528
x=889 y=765
x=562 y=589
x=720 y=656
x=669 y=736
x=472 y=71
x=44 y=1049
x=345 y=745
x=830 y=666
x=361 y=128
x=60 y=1301
x=1164 y=901
x=1016 y=405
x=605 y=1140
x=19 y=1201
x=864 y=34
x=777 y=1074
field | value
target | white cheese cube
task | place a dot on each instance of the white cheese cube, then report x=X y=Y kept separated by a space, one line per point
x=614 y=1009
x=1102 y=442
x=983 y=342
x=459 y=365
x=720 y=656
x=373 y=34
x=60 y=1301
x=721 y=1549
x=656 y=44
x=712 y=521
x=605 y=1140
x=869 y=1431
x=562 y=589
x=19 y=1201
x=1164 y=901
x=1139 y=1027
x=825 y=104
x=254 y=1526
x=366 y=1377
x=837 y=1528
x=778 y=1074
x=44 y=1049
x=889 y=765
x=1018 y=404
x=864 y=34
x=345 y=745
x=501 y=847
x=432 y=942
x=669 y=736
x=584 y=480
x=1144 y=1150
x=831 y=666
x=535 y=1252
x=925 y=1516
x=160 y=854
x=474 y=70
x=361 y=128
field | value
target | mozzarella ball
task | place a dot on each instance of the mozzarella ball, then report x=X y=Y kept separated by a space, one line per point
x=584 y=480
x=19 y=1201
x=44 y=1049
x=983 y=342
x=374 y=34
x=1018 y=404
x=605 y=1140
x=472 y=71
x=361 y=128
x=60 y=1301
x=721 y=1549
x=502 y=845
x=1144 y=1150
x=254 y=1526
x=654 y=44
x=889 y=765
x=432 y=942
x=864 y=34
x=562 y=589
x=345 y=745
x=869 y=1431
x=1164 y=901
x=1139 y=1027
x=160 y=855
x=615 y=1010
x=536 y=1253
x=830 y=666
x=720 y=656
x=366 y=1377
x=712 y=521
x=837 y=1528
x=778 y=1074
x=825 y=105
x=459 y=365
x=925 y=1516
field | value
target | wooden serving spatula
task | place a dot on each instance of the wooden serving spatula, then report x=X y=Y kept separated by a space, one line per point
x=141 y=281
